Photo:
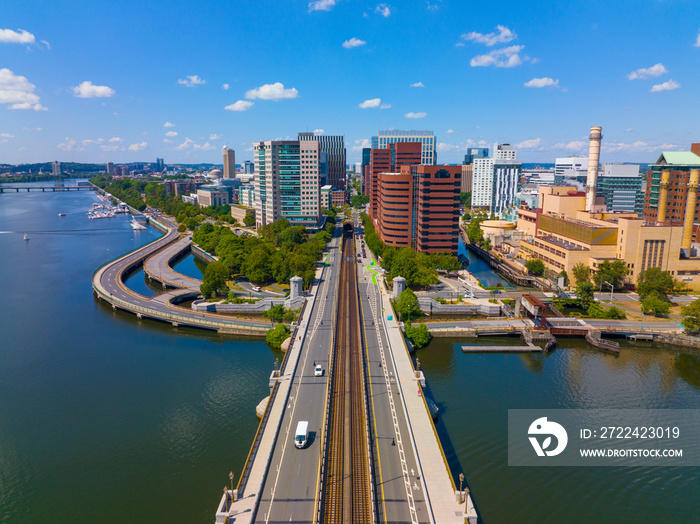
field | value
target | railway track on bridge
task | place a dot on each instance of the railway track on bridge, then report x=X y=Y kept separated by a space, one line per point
x=347 y=487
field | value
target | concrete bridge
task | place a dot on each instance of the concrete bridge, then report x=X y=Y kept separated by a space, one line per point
x=409 y=478
x=17 y=189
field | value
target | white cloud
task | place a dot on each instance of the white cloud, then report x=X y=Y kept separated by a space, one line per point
x=411 y=114
x=697 y=42
x=542 y=82
x=225 y=87
x=353 y=42
x=628 y=130
x=190 y=144
x=274 y=92
x=23 y=148
x=17 y=91
x=48 y=46
x=635 y=147
x=69 y=145
x=112 y=148
x=533 y=143
x=655 y=70
x=371 y=103
x=385 y=106
x=417 y=84
x=433 y=7
x=383 y=9
x=168 y=124
x=319 y=132
x=171 y=133
x=31 y=129
x=506 y=57
x=361 y=144
x=116 y=139
x=241 y=105
x=191 y=81
x=321 y=5
x=88 y=141
x=8 y=36
x=138 y=147
x=214 y=136
x=167 y=141
x=503 y=36
x=669 y=85
x=459 y=44
x=6 y=135
x=449 y=131
x=442 y=147
x=576 y=145
x=89 y=90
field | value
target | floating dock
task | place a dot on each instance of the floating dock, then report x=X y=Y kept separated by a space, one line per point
x=530 y=348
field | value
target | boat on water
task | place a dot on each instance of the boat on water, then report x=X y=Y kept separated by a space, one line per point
x=136 y=226
x=61 y=214
x=26 y=237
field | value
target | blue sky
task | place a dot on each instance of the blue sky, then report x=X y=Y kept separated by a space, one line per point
x=128 y=81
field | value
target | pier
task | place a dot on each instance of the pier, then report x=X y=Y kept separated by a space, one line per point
x=43 y=189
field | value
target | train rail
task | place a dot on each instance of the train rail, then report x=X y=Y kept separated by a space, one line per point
x=347 y=487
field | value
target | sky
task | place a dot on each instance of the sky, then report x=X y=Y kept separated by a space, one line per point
x=129 y=81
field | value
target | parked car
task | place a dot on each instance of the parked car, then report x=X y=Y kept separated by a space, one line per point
x=257 y=288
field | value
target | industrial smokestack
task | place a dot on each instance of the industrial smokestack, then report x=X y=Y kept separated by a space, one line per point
x=593 y=161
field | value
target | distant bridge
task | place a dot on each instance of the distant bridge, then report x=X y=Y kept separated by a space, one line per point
x=43 y=189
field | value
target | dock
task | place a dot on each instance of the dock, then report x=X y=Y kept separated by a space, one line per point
x=530 y=348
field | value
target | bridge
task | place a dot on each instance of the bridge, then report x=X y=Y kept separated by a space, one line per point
x=54 y=188
x=108 y=285
x=373 y=453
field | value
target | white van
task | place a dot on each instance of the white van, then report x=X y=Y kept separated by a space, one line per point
x=302 y=434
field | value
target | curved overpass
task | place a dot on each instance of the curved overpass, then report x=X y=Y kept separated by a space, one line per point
x=108 y=284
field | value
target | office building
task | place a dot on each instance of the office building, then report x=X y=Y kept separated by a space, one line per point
x=436 y=208
x=365 y=167
x=229 y=163
x=213 y=196
x=56 y=168
x=418 y=207
x=159 y=166
x=394 y=136
x=467 y=177
x=110 y=168
x=621 y=186
x=180 y=187
x=246 y=196
x=332 y=148
x=287 y=182
x=388 y=160
x=574 y=167
x=475 y=152
x=496 y=180
x=249 y=167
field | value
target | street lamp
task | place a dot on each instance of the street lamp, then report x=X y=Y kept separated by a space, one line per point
x=466 y=499
x=230 y=475
x=611 y=291
x=461 y=479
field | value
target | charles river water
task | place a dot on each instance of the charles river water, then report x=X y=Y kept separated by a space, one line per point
x=105 y=418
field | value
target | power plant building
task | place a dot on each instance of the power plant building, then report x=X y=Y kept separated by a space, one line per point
x=569 y=226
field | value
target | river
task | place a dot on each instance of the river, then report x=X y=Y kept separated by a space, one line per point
x=105 y=418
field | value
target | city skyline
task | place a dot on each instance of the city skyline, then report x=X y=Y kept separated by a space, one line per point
x=130 y=83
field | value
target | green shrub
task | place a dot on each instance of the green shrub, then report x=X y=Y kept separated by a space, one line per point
x=276 y=336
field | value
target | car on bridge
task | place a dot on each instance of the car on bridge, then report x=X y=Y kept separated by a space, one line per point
x=318 y=371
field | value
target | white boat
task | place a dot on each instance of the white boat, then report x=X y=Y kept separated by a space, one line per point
x=61 y=214
x=136 y=226
x=26 y=237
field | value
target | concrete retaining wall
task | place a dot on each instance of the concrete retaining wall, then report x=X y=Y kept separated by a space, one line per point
x=258 y=307
x=430 y=306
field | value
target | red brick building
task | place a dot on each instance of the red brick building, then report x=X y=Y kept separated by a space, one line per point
x=436 y=189
x=388 y=160
x=395 y=207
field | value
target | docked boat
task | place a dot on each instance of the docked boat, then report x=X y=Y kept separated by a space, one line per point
x=136 y=226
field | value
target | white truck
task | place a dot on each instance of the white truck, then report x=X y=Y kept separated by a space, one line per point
x=302 y=434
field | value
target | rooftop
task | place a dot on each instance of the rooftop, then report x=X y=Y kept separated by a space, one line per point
x=679 y=158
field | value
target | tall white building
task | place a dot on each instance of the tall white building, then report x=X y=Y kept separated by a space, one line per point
x=392 y=136
x=496 y=180
x=287 y=182
x=571 y=167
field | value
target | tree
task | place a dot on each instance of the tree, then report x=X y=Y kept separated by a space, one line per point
x=584 y=293
x=582 y=273
x=654 y=281
x=249 y=219
x=655 y=305
x=466 y=199
x=612 y=272
x=407 y=306
x=275 y=313
x=214 y=279
x=276 y=336
x=420 y=336
x=358 y=201
x=565 y=275
x=535 y=267
x=691 y=317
